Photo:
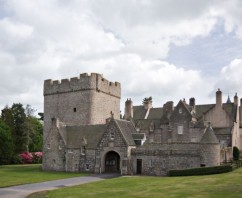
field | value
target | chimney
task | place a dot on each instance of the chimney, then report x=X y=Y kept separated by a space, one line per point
x=236 y=100
x=192 y=102
x=147 y=102
x=218 y=98
x=128 y=111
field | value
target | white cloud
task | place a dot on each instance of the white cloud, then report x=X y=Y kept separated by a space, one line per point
x=127 y=41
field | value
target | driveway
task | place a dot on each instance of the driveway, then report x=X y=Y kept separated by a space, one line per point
x=26 y=189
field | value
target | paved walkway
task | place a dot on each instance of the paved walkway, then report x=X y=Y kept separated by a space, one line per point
x=22 y=191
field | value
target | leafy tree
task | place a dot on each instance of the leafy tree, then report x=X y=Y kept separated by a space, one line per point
x=19 y=128
x=6 y=143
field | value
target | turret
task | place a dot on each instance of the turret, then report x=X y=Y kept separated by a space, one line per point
x=128 y=109
x=209 y=148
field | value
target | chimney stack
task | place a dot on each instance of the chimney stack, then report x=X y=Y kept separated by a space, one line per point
x=192 y=102
x=236 y=100
x=218 y=98
x=128 y=111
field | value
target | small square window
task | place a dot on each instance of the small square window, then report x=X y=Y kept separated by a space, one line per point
x=112 y=135
x=180 y=130
x=74 y=109
x=87 y=167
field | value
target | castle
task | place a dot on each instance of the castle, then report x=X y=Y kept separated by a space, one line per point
x=83 y=130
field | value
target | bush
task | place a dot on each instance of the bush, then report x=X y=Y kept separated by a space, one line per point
x=201 y=171
x=31 y=158
x=235 y=153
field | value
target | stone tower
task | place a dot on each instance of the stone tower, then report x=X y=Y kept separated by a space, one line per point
x=209 y=148
x=87 y=100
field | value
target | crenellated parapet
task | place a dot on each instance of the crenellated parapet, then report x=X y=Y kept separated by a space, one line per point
x=84 y=82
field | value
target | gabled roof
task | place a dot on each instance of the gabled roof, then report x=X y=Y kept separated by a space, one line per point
x=209 y=136
x=155 y=113
x=126 y=128
x=92 y=134
x=229 y=108
x=201 y=109
x=139 y=112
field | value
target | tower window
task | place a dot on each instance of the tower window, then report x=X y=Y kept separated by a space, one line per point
x=74 y=109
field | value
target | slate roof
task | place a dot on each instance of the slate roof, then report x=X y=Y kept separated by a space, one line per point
x=228 y=107
x=145 y=123
x=209 y=136
x=201 y=109
x=139 y=112
x=223 y=131
x=127 y=128
x=155 y=113
x=138 y=136
x=92 y=134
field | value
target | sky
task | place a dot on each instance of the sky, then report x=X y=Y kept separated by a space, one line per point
x=167 y=49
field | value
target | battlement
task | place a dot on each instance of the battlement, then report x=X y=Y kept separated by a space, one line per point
x=84 y=82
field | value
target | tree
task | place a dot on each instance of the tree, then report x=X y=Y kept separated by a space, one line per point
x=6 y=143
x=34 y=130
x=19 y=128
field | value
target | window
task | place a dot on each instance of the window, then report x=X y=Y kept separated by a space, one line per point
x=180 y=110
x=87 y=167
x=70 y=150
x=74 y=109
x=83 y=150
x=48 y=146
x=180 y=130
x=112 y=135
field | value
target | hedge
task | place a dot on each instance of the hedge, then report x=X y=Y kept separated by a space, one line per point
x=201 y=171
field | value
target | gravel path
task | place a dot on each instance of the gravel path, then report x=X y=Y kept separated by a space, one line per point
x=22 y=191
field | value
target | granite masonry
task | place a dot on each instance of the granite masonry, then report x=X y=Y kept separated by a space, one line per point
x=84 y=131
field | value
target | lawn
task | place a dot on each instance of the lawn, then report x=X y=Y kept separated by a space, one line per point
x=11 y=175
x=220 y=185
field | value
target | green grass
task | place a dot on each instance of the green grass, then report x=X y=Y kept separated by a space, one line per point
x=12 y=175
x=221 y=185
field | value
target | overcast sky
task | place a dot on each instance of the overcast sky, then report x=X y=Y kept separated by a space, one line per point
x=167 y=49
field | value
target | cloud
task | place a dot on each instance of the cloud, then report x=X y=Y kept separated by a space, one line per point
x=230 y=78
x=127 y=41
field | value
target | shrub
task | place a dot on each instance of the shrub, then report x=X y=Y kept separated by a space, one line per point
x=201 y=171
x=235 y=153
x=37 y=157
x=26 y=157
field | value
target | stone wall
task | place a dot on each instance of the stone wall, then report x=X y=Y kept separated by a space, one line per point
x=53 y=151
x=210 y=154
x=157 y=159
x=116 y=144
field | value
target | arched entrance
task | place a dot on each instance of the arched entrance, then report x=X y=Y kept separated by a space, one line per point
x=112 y=162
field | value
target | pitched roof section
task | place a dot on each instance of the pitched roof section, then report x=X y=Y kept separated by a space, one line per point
x=201 y=109
x=138 y=136
x=127 y=128
x=223 y=131
x=139 y=112
x=92 y=134
x=209 y=136
x=155 y=113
